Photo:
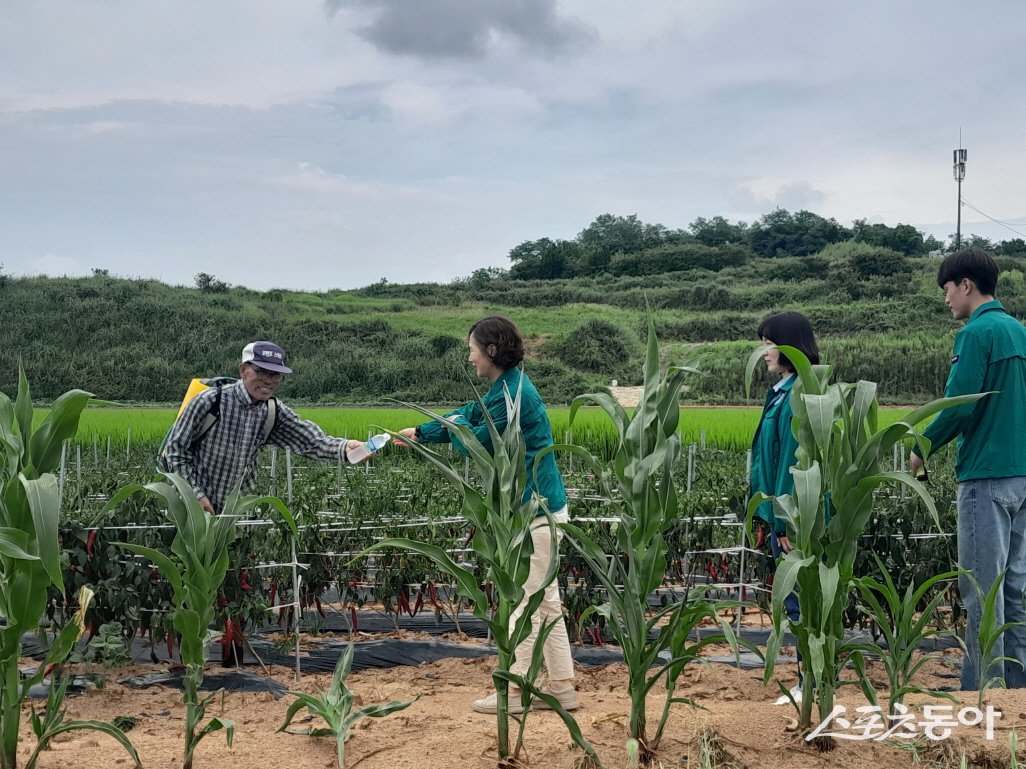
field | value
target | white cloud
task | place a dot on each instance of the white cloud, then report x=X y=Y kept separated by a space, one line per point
x=234 y=137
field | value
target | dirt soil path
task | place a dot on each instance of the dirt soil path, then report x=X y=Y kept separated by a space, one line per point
x=739 y=727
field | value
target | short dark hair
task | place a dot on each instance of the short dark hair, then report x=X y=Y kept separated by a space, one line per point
x=973 y=263
x=793 y=329
x=500 y=331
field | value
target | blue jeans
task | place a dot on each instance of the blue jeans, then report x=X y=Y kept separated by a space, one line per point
x=791 y=602
x=992 y=539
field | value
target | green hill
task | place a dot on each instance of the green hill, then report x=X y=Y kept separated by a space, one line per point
x=141 y=340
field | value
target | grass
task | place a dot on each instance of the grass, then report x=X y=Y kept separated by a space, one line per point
x=727 y=428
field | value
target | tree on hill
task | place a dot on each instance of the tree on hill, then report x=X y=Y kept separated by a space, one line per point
x=718 y=231
x=544 y=259
x=902 y=237
x=782 y=233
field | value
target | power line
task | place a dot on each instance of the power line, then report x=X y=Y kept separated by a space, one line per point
x=981 y=213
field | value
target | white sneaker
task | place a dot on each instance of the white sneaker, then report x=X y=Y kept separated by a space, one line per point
x=489 y=704
x=796 y=692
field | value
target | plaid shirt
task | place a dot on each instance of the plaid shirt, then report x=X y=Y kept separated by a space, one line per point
x=229 y=452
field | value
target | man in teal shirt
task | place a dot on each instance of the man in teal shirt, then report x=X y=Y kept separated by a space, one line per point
x=989 y=357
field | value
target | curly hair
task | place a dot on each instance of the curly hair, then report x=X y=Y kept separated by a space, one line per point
x=499 y=332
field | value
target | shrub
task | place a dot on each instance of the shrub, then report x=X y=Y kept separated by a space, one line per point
x=597 y=347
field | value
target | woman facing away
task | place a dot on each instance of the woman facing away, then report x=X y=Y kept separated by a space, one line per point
x=496 y=350
x=774 y=445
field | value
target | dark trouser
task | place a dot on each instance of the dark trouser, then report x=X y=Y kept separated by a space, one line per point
x=791 y=602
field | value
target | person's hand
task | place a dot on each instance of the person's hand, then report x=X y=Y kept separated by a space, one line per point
x=409 y=435
x=915 y=464
x=352 y=445
x=205 y=504
x=785 y=543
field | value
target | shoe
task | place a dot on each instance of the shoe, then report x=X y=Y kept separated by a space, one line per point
x=568 y=699
x=489 y=704
x=796 y=692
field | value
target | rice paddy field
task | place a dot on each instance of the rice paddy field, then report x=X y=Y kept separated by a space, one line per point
x=726 y=428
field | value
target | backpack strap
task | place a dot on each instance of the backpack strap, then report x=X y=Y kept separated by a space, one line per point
x=271 y=421
x=212 y=416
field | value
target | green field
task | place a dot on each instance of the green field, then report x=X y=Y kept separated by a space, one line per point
x=727 y=428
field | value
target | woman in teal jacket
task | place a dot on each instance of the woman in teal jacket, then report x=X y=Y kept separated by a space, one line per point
x=496 y=350
x=774 y=446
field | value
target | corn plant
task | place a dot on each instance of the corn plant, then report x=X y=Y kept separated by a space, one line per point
x=903 y=627
x=335 y=707
x=841 y=455
x=29 y=548
x=642 y=471
x=503 y=547
x=51 y=723
x=196 y=572
x=987 y=637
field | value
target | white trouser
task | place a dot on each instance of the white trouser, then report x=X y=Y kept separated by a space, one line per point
x=556 y=650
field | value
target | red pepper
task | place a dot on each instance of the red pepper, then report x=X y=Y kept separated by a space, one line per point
x=154 y=575
x=90 y=542
x=420 y=602
x=352 y=613
x=433 y=596
x=320 y=610
x=244 y=581
x=222 y=601
x=404 y=601
x=272 y=593
x=714 y=573
x=170 y=644
x=760 y=538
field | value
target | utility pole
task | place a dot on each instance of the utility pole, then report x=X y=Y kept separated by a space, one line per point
x=959 y=169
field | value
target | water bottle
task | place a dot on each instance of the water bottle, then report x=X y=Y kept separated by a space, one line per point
x=364 y=450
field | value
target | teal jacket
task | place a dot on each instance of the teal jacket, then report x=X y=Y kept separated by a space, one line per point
x=989 y=355
x=534 y=423
x=773 y=452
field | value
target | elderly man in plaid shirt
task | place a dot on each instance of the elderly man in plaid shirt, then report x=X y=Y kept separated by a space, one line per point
x=214 y=459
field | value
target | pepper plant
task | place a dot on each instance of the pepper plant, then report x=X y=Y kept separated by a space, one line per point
x=503 y=547
x=196 y=570
x=335 y=707
x=841 y=455
x=641 y=482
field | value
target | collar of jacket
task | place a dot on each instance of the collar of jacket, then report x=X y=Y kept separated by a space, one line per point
x=506 y=378
x=986 y=307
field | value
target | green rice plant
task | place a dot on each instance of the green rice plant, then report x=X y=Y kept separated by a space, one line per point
x=642 y=473
x=988 y=634
x=29 y=547
x=503 y=547
x=903 y=627
x=335 y=707
x=841 y=455
x=196 y=572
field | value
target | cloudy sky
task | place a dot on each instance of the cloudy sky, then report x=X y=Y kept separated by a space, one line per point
x=322 y=144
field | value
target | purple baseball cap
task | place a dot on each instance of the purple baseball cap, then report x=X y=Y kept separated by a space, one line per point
x=266 y=355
